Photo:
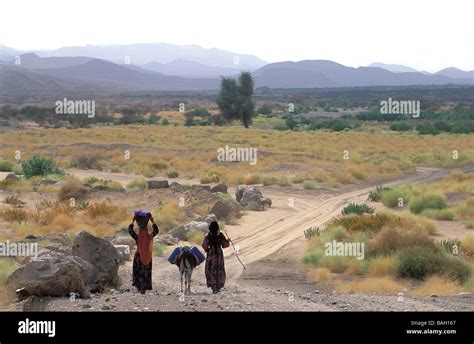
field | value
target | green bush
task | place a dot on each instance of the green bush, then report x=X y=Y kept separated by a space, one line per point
x=421 y=262
x=6 y=166
x=390 y=197
x=359 y=209
x=427 y=129
x=172 y=174
x=17 y=169
x=434 y=201
x=401 y=127
x=439 y=214
x=460 y=128
x=38 y=166
x=308 y=184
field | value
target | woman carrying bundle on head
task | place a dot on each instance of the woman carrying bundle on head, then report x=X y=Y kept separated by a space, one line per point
x=142 y=262
x=213 y=244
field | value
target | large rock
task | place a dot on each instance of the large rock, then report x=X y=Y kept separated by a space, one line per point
x=52 y=274
x=209 y=218
x=226 y=209
x=157 y=184
x=104 y=258
x=219 y=188
x=252 y=199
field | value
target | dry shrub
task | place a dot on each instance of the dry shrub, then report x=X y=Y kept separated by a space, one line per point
x=437 y=285
x=15 y=215
x=319 y=275
x=72 y=189
x=467 y=246
x=63 y=221
x=355 y=267
x=370 y=285
x=391 y=239
x=383 y=266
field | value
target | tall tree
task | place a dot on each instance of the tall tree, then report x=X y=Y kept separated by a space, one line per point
x=235 y=100
x=247 y=106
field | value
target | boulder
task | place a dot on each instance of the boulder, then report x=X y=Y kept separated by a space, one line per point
x=8 y=176
x=104 y=258
x=157 y=184
x=226 y=209
x=252 y=199
x=52 y=274
x=219 y=188
x=239 y=192
x=124 y=252
x=209 y=218
x=166 y=239
x=181 y=232
x=123 y=240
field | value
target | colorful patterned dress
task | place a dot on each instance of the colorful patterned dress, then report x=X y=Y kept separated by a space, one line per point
x=215 y=269
x=142 y=266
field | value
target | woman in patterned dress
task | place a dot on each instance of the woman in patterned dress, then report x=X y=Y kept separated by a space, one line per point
x=213 y=244
x=143 y=260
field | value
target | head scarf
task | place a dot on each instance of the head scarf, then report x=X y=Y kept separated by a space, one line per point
x=145 y=239
x=214 y=233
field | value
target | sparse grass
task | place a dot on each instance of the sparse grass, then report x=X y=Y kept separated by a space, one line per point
x=195 y=237
x=252 y=179
x=374 y=155
x=137 y=184
x=15 y=214
x=7 y=266
x=467 y=246
x=159 y=249
x=439 y=214
x=370 y=285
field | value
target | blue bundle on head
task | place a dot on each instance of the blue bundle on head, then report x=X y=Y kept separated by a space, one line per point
x=142 y=213
x=142 y=217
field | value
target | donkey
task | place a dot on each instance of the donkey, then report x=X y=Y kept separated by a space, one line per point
x=186 y=262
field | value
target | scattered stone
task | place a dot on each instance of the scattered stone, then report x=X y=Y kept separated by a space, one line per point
x=181 y=232
x=105 y=308
x=219 y=188
x=86 y=306
x=157 y=184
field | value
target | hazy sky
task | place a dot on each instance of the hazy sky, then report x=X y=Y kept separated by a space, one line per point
x=424 y=34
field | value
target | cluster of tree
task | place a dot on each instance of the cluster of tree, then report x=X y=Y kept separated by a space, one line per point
x=435 y=128
x=235 y=99
x=304 y=123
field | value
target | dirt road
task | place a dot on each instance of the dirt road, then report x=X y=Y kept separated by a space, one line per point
x=270 y=244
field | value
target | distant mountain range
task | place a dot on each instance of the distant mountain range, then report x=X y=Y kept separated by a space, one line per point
x=169 y=67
